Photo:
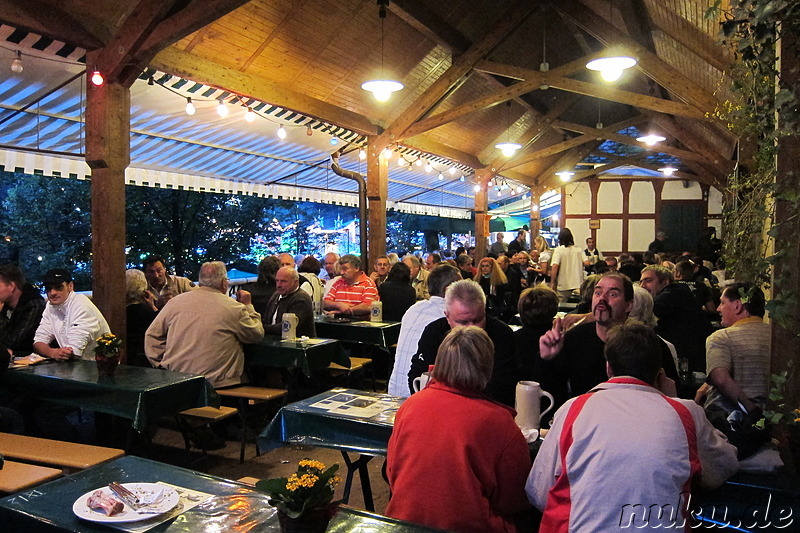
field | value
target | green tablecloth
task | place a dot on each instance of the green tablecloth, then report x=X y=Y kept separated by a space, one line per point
x=383 y=334
x=48 y=508
x=299 y=423
x=308 y=356
x=138 y=394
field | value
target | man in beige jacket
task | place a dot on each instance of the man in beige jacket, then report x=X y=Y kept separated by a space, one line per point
x=202 y=331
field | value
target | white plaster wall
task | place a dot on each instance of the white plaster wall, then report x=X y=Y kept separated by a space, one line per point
x=674 y=190
x=609 y=198
x=714 y=202
x=578 y=198
x=642 y=198
x=640 y=234
x=580 y=230
x=609 y=236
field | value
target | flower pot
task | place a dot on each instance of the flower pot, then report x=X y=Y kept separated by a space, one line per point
x=106 y=364
x=313 y=521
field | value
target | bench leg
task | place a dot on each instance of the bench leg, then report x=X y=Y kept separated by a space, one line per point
x=359 y=465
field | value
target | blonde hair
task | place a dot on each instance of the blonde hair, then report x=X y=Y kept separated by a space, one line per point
x=540 y=244
x=135 y=285
x=465 y=359
x=496 y=277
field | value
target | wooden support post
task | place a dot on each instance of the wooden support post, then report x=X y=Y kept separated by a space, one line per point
x=482 y=178
x=536 y=213
x=377 y=192
x=108 y=155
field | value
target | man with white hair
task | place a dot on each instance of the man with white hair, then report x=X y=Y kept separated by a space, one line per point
x=288 y=298
x=202 y=331
x=465 y=305
x=419 y=276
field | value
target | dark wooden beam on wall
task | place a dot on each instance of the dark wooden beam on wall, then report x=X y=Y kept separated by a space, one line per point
x=50 y=21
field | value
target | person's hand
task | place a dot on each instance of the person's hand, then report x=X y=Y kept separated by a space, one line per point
x=244 y=297
x=665 y=384
x=570 y=321
x=374 y=276
x=552 y=342
x=61 y=354
x=523 y=282
x=149 y=299
x=701 y=394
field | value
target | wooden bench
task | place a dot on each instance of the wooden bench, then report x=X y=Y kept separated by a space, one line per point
x=248 y=395
x=201 y=416
x=67 y=455
x=356 y=364
x=247 y=480
x=15 y=477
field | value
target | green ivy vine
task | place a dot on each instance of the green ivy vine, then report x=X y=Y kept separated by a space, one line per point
x=762 y=109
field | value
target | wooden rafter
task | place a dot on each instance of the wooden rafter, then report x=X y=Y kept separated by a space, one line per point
x=460 y=67
x=50 y=21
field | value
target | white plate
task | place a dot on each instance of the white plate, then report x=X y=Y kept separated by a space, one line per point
x=168 y=501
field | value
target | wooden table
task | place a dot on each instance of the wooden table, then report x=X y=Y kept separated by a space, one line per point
x=140 y=395
x=309 y=422
x=305 y=355
x=381 y=334
x=232 y=505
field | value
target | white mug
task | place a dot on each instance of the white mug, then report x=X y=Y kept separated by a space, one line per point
x=528 y=404
x=421 y=382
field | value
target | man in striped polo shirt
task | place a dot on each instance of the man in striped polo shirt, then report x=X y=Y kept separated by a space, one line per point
x=353 y=293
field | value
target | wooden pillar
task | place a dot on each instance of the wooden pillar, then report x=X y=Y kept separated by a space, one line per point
x=536 y=214
x=108 y=155
x=377 y=192
x=482 y=178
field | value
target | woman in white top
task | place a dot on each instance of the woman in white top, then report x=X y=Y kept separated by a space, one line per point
x=566 y=266
x=542 y=267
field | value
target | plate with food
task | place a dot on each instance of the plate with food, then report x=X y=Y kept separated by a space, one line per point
x=103 y=505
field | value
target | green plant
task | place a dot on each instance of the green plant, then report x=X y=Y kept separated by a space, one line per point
x=311 y=487
x=781 y=410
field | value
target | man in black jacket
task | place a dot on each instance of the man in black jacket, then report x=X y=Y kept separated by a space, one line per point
x=21 y=308
x=288 y=298
x=465 y=305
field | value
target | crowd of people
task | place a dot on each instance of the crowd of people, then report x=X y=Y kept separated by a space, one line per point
x=641 y=328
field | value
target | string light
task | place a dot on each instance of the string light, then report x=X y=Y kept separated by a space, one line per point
x=222 y=109
x=387 y=153
x=420 y=162
x=190 y=109
x=362 y=154
x=309 y=131
x=281 y=132
x=462 y=179
x=97 y=78
x=334 y=141
x=441 y=176
x=477 y=188
x=401 y=162
x=428 y=167
x=249 y=116
x=452 y=171
x=16 y=63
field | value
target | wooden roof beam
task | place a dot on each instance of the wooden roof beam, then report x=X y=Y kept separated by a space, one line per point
x=548 y=178
x=179 y=63
x=50 y=21
x=662 y=73
x=694 y=40
x=460 y=67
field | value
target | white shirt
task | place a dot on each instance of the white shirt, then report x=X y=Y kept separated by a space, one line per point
x=413 y=324
x=76 y=323
x=570 y=267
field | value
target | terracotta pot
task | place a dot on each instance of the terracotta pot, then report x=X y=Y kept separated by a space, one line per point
x=106 y=364
x=314 y=521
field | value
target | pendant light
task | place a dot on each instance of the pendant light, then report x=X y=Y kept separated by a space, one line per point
x=613 y=61
x=651 y=139
x=508 y=148
x=382 y=89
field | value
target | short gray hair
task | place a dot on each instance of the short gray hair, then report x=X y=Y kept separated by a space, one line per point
x=354 y=261
x=213 y=274
x=292 y=273
x=467 y=292
x=135 y=285
x=414 y=259
x=642 y=309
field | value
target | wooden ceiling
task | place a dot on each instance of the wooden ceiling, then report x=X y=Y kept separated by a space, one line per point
x=461 y=61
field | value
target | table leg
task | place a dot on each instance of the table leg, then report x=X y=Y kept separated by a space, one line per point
x=360 y=465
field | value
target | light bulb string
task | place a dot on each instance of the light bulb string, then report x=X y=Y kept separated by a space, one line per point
x=28 y=53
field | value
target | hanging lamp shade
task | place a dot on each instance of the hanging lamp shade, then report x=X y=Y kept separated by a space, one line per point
x=382 y=89
x=611 y=64
x=508 y=149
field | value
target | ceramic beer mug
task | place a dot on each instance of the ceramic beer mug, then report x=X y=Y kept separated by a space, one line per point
x=421 y=382
x=528 y=404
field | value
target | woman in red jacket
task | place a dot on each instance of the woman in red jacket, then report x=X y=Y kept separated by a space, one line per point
x=456 y=459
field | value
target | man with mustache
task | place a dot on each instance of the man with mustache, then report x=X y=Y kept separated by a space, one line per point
x=579 y=351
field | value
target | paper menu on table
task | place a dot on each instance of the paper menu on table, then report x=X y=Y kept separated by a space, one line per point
x=354 y=405
x=188 y=499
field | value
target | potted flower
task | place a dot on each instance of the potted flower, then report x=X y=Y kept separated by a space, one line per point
x=106 y=353
x=305 y=499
